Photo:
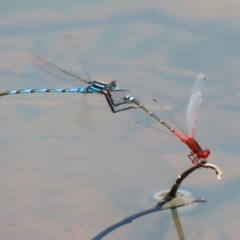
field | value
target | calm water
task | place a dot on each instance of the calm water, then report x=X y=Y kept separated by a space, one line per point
x=69 y=173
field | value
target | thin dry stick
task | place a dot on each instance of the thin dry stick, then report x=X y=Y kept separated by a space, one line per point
x=182 y=176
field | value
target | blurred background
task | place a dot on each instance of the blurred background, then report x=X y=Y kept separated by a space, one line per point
x=69 y=167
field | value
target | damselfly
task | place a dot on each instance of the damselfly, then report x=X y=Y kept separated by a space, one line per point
x=93 y=86
x=197 y=154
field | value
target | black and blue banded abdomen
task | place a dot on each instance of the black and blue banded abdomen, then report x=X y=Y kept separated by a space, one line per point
x=47 y=90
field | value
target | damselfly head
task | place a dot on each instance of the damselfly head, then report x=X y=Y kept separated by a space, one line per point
x=204 y=154
x=113 y=83
x=112 y=86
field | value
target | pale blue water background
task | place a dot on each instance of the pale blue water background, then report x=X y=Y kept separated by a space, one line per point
x=62 y=180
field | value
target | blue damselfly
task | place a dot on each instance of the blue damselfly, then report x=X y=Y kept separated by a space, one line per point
x=93 y=86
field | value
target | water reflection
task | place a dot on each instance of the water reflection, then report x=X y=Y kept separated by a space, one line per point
x=172 y=199
x=159 y=207
x=177 y=224
x=155 y=49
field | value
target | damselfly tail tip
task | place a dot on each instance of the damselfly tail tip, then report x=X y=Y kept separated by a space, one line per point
x=3 y=94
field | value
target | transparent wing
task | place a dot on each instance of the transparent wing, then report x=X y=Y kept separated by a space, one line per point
x=53 y=69
x=151 y=128
x=166 y=117
x=194 y=103
x=158 y=112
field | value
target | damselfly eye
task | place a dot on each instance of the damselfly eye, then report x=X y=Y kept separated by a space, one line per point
x=113 y=84
x=207 y=152
x=203 y=154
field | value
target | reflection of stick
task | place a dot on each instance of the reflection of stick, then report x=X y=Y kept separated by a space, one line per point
x=129 y=219
x=160 y=205
x=177 y=224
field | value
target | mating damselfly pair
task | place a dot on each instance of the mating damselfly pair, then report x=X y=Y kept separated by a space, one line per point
x=197 y=154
